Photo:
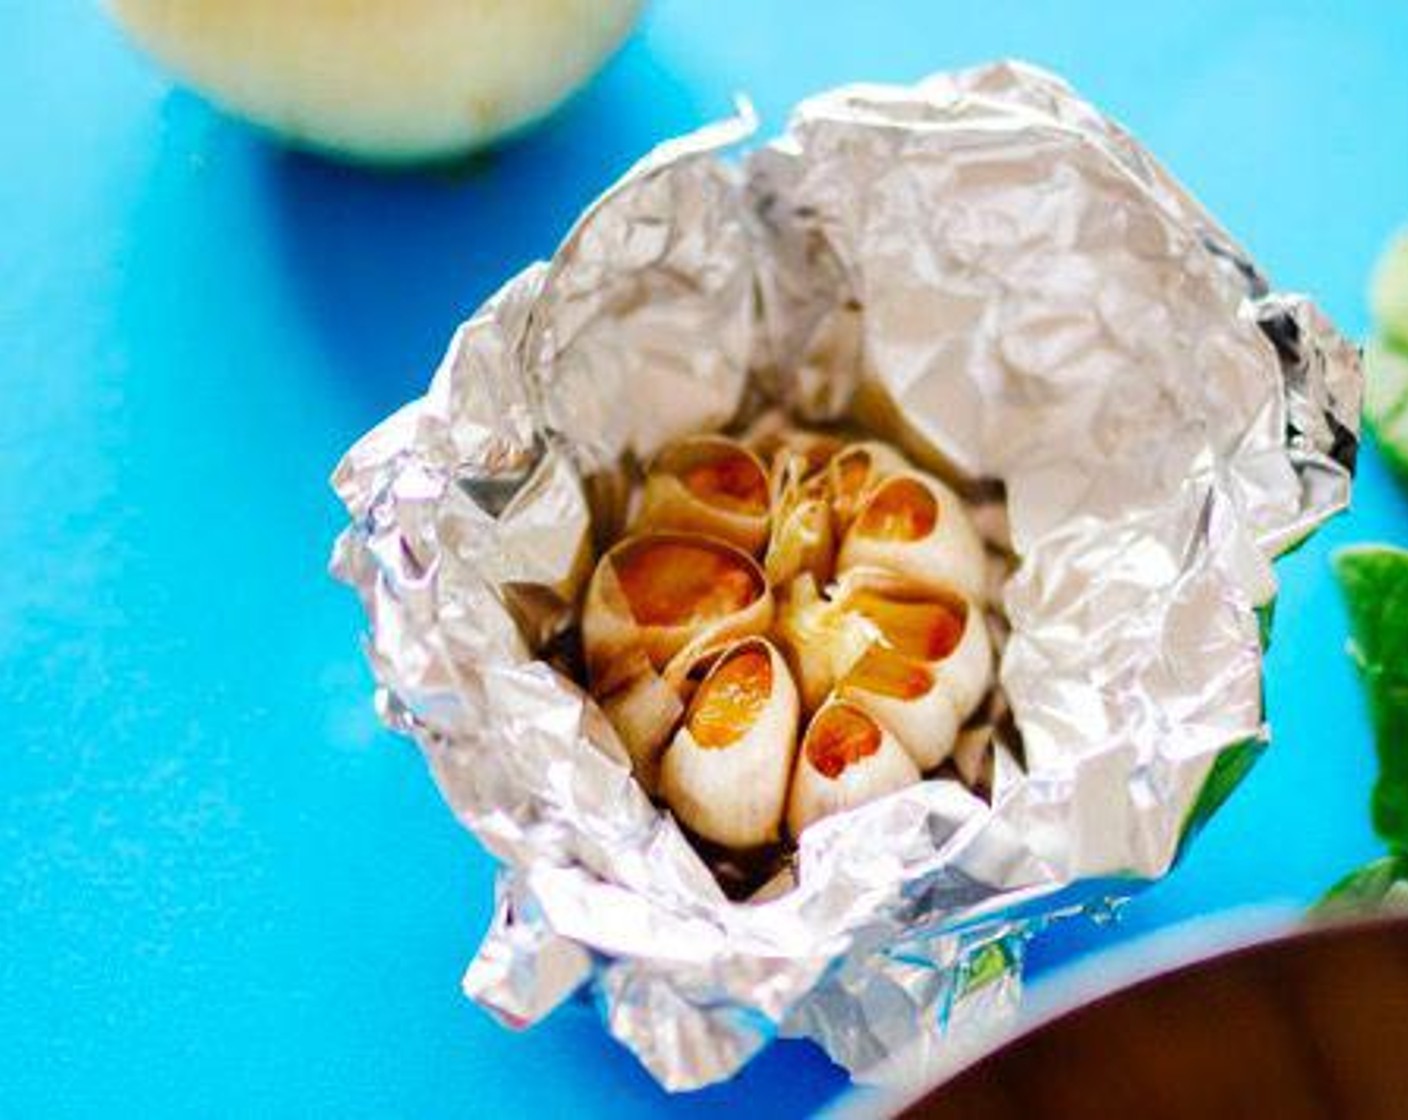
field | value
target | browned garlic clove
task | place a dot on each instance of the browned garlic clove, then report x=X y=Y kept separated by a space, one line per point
x=853 y=472
x=927 y=672
x=657 y=593
x=913 y=525
x=725 y=772
x=846 y=759
x=711 y=485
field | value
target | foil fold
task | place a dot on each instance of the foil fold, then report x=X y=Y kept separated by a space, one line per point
x=986 y=270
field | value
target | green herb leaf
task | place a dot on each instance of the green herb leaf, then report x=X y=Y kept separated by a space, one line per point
x=1388 y=293
x=1386 y=356
x=1374 y=580
x=1380 y=885
x=1386 y=402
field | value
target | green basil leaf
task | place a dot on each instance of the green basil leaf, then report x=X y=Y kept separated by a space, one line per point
x=1374 y=580
x=1381 y=885
x=1388 y=292
x=1386 y=401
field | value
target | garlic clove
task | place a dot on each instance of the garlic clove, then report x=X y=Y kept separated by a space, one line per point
x=802 y=542
x=929 y=669
x=853 y=472
x=846 y=759
x=725 y=772
x=904 y=697
x=821 y=639
x=915 y=526
x=802 y=539
x=655 y=594
x=711 y=485
x=947 y=631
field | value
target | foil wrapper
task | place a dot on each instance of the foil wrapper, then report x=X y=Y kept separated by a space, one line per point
x=985 y=269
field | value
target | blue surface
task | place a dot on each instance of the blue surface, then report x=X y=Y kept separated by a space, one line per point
x=225 y=890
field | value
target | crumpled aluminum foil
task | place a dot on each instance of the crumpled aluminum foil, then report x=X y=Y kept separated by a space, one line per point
x=989 y=271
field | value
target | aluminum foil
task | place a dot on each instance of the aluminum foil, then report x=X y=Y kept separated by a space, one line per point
x=990 y=272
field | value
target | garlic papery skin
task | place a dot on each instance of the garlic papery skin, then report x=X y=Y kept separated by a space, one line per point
x=725 y=773
x=802 y=543
x=656 y=593
x=847 y=758
x=711 y=485
x=645 y=711
x=913 y=525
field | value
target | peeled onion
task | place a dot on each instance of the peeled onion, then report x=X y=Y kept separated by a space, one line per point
x=383 y=80
x=725 y=773
x=846 y=759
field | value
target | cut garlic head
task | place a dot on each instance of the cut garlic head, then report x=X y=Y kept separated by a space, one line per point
x=710 y=485
x=847 y=758
x=657 y=593
x=926 y=673
x=725 y=773
x=913 y=525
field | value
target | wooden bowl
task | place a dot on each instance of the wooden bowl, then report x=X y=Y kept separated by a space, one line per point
x=1314 y=1024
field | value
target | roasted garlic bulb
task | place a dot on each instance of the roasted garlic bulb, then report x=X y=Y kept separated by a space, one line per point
x=794 y=626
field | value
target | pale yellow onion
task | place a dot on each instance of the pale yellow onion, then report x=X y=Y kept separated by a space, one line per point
x=915 y=526
x=655 y=594
x=846 y=759
x=711 y=485
x=383 y=80
x=922 y=699
x=726 y=771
